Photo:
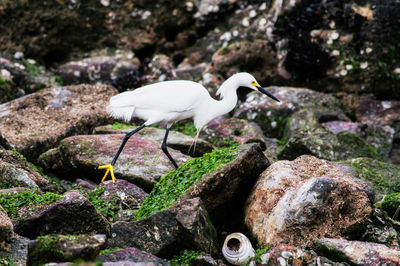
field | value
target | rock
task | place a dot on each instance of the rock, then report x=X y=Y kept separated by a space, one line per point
x=6 y=231
x=391 y=204
x=100 y=68
x=255 y=57
x=223 y=131
x=160 y=68
x=18 y=253
x=185 y=225
x=127 y=196
x=382 y=176
x=37 y=122
x=186 y=71
x=220 y=200
x=22 y=76
x=16 y=171
x=271 y=115
x=79 y=156
x=58 y=248
x=358 y=252
x=300 y=201
x=131 y=255
x=284 y=254
x=326 y=145
x=176 y=140
x=71 y=214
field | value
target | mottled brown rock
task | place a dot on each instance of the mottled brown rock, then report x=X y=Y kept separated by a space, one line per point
x=37 y=122
x=300 y=201
x=6 y=230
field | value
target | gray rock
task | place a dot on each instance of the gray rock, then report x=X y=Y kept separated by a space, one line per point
x=18 y=253
x=300 y=201
x=176 y=140
x=37 y=122
x=71 y=214
x=131 y=255
x=271 y=116
x=358 y=252
x=184 y=225
x=79 y=156
x=59 y=248
x=6 y=231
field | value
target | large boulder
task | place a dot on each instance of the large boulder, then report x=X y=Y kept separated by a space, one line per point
x=37 y=122
x=300 y=201
x=79 y=156
x=185 y=225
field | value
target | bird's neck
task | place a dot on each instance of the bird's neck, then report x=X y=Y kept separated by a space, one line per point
x=228 y=98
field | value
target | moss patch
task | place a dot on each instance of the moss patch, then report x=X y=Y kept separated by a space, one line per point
x=108 y=210
x=175 y=183
x=384 y=177
x=12 y=202
x=185 y=257
x=391 y=202
x=258 y=254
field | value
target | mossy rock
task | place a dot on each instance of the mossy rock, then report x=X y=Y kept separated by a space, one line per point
x=391 y=203
x=323 y=144
x=384 y=177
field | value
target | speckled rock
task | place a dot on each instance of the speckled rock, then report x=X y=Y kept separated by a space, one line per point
x=6 y=231
x=303 y=200
x=284 y=254
x=16 y=172
x=99 y=68
x=132 y=255
x=176 y=140
x=184 y=225
x=71 y=214
x=357 y=252
x=223 y=131
x=126 y=195
x=18 y=252
x=379 y=112
x=58 y=248
x=271 y=115
x=37 y=122
x=79 y=156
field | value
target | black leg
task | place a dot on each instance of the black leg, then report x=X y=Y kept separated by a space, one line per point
x=127 y=136
x=165 y=150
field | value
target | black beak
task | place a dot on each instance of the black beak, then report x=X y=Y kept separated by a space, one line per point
x=261 y=89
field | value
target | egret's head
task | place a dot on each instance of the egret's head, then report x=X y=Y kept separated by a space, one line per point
x=247 y=80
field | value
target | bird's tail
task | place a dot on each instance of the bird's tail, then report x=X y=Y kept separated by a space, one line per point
x=121 y=112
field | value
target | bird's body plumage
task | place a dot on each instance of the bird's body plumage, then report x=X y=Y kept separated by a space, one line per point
x=172 y=101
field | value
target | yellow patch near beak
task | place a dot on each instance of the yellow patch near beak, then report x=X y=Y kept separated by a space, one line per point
x=253 y=83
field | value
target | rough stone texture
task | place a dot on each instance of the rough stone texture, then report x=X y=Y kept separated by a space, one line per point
x=379 y=112
x=71 y=214
x=37 y=122
x=6 y=231
x=15 y=171
x=123 y=194
x=223 y=131
x=255 y=57
x=224 y=191
x=300 y=201
x=102 y=68
x=323 y=144
x=184 y=225
x=79 y=156
x=284 y=254
x=18 y=252
x=357 y=252
x=17 y=78
x=383 y=177
x=58 y=248
x=131 y=255
x=176 y=140
x=271 y=115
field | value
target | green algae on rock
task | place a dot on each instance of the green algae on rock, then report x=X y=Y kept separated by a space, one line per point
x=384 y=177
x=391 y=204
x=175 y=183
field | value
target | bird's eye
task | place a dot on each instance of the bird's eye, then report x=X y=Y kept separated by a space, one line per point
x=253 y=83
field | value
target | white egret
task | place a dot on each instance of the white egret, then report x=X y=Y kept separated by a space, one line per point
x=175 y=100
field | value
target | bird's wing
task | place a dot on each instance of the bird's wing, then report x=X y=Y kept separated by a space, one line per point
x=168 y=96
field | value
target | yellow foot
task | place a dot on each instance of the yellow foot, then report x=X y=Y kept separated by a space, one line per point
x=110 y=169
